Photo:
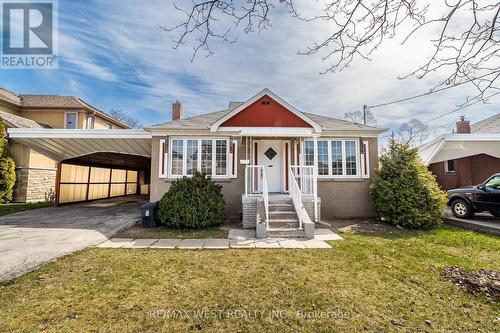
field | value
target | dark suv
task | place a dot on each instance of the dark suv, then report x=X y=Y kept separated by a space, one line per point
x=465 y=201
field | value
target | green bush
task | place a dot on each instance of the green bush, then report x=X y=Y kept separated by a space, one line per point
x=7 y=168
x=191 y=203
x=404 y=192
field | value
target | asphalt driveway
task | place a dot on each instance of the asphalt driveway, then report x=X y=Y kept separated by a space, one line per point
x=31 y=238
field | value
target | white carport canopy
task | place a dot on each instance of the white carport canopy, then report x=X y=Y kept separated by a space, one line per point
x=63 y=144
x=453 y=146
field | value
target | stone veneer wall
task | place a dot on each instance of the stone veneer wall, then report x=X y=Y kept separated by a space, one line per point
x=34 y=185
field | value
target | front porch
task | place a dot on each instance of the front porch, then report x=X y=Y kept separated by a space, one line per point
x=274 y=214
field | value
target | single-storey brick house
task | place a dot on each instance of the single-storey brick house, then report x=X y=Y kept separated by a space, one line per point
x=467 y=157
x=276 y=164
x=286 y=143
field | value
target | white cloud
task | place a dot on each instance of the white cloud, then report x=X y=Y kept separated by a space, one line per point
x=126 y=47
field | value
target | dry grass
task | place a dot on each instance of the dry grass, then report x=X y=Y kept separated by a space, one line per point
x=14 y=208
x=366 y=283
x=138 y=231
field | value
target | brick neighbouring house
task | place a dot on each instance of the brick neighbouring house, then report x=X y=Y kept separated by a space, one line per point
x=467 y=157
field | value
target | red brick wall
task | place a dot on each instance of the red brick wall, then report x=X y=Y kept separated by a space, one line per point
x=469 y=171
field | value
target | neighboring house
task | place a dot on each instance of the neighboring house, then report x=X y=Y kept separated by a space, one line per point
x=35 y=172
x=274 y=163
x=467 y=157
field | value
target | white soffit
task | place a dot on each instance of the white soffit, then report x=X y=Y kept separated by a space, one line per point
x=63 y=144
x=453 y=146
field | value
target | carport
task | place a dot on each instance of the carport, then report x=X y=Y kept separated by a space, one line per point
x=93 y=164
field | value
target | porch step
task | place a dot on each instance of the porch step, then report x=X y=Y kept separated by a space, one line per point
x=286 y=233
x=283 y=223
x=281 y=207
x=288 y=214
x=280 y=200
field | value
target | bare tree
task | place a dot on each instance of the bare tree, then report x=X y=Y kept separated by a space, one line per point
x=125 y=118
x=413 y=132
x=466 y=46
x=359 y=118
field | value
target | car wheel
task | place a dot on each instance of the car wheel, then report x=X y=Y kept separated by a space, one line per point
x=495 y=214
x=461 y=209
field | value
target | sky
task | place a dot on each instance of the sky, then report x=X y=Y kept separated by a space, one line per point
x=113 y=54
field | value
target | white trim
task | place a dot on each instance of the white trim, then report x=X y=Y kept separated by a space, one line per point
x=344 y=164
x=66 y=119
x=216 y=125
x=162 y=159
x=90 y=119
x=234 y=157
x=269 y=131
x=58 y=133
x=446 y=170
x=365 y=169
x=214 y=158
x=429 y=151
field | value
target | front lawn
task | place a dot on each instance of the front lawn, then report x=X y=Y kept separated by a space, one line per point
x=14 y=208
x=383 y=282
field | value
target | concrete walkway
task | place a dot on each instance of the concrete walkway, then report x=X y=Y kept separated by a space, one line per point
x=213 y=244
x=29 y=239
x=237 y=239
x=481 y=222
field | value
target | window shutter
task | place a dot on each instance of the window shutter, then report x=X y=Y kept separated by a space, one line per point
x=234 y=158
x=365 y=160
x=162 y=166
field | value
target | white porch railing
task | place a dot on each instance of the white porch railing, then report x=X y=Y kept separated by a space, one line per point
x=307 y=182
x=256 y=185
x=296 y=195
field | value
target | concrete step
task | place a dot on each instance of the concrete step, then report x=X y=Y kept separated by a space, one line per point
x=283 y=224
x=282 y=215
x=280 y=201
x=286 y=233
x=284 y=207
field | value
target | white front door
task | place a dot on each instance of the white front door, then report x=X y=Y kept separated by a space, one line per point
x=270 y=155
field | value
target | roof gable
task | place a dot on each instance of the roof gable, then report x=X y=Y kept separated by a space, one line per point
x=265 y=109
x=265 y=112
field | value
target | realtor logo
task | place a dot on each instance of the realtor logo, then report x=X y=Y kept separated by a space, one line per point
x=28 y=34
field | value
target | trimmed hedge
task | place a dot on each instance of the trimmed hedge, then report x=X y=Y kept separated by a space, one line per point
x=7 y=168
x=191 y=203
x=404 y=192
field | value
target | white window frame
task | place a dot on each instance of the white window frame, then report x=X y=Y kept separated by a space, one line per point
x=365 y=168
x=446 y=166
x=344 y=164
x=90 y=119
x=234 y=157
x=184 y=154
x=66 y=119
x=163 y=154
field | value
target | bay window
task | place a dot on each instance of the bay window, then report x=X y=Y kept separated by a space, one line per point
x=192 y=157
x=336 y=158
x=177 y=157
x=208 y=156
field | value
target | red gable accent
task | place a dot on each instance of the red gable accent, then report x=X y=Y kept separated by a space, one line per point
x=265 y=112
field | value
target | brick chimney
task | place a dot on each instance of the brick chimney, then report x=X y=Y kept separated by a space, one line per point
x=176 y=110
x=463 y=126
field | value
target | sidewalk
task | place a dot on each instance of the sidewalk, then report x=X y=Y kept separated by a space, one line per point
x=237 y=239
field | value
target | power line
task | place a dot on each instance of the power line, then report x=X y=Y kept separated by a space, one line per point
x=450 y=112
x=429 y=92
x=460 y=108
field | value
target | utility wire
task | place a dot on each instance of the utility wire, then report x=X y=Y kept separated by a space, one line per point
x=450 y=112
x=429 y=92
x=460 y=108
